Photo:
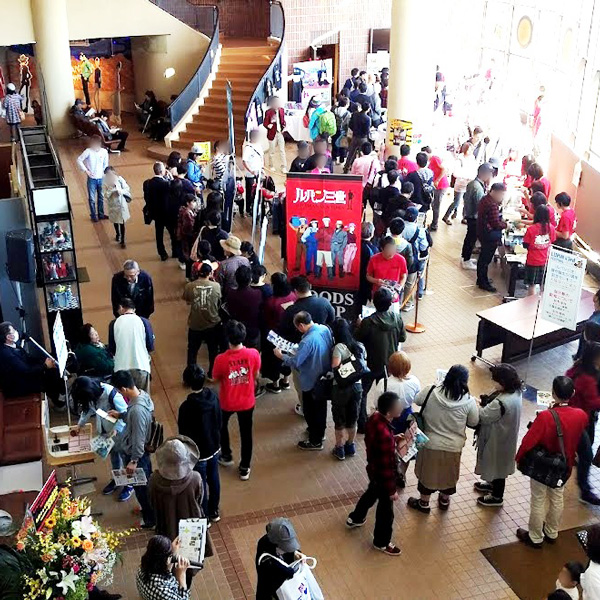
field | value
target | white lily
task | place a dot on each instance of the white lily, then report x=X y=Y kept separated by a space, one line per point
x=83 y=528
x=68 y=581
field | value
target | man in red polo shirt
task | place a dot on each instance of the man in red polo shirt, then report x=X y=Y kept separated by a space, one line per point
x=567 y=223
x=440 y=183
x=388 y=268
x=405 y=165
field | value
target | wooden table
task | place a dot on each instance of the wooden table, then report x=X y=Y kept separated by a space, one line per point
x=511 y=325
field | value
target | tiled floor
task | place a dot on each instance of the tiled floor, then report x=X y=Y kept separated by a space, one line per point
x=441 y=557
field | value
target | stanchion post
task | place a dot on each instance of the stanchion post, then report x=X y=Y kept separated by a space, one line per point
x=416 y=327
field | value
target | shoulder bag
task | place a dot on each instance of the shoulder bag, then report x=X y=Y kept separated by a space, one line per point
x=155 y=437
x=350 y=371
x=546 y=467
x=420 y=416
x=303 y=584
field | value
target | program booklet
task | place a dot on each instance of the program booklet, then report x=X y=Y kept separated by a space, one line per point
x=192 y=538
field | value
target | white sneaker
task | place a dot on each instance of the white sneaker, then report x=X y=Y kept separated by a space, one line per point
x=298 y=409
x=469 y=265
x=182 y=266
x=408 y=307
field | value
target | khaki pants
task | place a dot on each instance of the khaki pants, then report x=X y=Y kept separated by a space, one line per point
x=296 y=380
x=277 y=144
x=545 y=511
x=141 y=379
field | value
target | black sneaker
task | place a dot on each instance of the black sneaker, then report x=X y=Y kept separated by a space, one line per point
x=273 y=388
x=482 y=486
x=487 y=287
x=489 y=500
x=244 y=474
x=145 y=525
x=307 y=445
x=416 y=504
x=284 y=385
x=215 y=518
x=350 y=524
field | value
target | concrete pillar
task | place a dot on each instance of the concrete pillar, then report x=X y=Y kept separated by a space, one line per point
x=52 y=55
x=413 y=51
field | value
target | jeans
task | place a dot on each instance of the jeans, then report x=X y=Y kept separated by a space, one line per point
x=116 y=460
x=209 y=471
x=314 y=405
x=488 y=249
x=584 y=463
x=14 y=131
x=245 y=425
x=437 y=201
x=453 y=208
x=212 y=337
x=141 y=491
x=159 y=227
x=384 y=517
x=470 y=238
x=94 y=187
x=546 y=507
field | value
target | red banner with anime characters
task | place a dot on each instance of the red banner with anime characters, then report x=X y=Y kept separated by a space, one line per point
x=323 y=218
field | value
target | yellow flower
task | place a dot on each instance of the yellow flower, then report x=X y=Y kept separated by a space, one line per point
x=50 y=522
x=87 y=545
x=76 y=542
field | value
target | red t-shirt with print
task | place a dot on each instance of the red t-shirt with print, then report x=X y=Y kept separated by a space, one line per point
x=406 y=166
x=539 y=244
x=568 y=222
x=236 y=371
x=435 y=164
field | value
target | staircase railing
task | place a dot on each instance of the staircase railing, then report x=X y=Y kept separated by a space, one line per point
x=277 y=30
x=204 y=19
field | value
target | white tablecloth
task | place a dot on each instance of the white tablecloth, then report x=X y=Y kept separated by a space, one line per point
x=295 y=127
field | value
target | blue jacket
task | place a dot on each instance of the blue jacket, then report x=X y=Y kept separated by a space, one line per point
x=313 y=358
x=194 y=172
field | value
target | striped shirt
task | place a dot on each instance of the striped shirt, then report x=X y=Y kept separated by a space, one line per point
x=219 y=165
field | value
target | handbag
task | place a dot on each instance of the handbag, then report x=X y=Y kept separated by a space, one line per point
x=420 y=416
x=303 y=585
x=350 y=371
x=155 y=438
x=545 y=467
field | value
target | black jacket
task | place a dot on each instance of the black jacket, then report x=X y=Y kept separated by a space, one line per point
x=20 y=374
x=200 y=419
x=271 y=573
x=142 y=296
x=367 y=249
x=156 y=197
x=319 y=309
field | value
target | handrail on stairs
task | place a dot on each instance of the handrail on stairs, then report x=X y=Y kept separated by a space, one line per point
x=273 y=72
x=204 y=19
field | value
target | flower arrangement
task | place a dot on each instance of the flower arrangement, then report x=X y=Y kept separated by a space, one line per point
x=70 y=554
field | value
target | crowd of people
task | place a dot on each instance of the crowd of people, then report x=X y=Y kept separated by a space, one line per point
x=235 y=304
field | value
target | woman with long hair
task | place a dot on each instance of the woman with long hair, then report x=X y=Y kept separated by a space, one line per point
x=345 y=402
x=499 y=420
x=447 y=409
x=162 y=572
x=465 y=169
x=538 y=239
x=273 y=309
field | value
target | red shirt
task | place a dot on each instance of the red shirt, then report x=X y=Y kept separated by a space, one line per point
x=435 y=164
x=543 y=432
x=393 y=269
x=406 y=166
x=586 y=396
x=539 y=244
x=568 y=222
x=236 y=370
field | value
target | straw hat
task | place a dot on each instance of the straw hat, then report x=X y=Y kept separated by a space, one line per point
x=232 y=244
x=177 y=457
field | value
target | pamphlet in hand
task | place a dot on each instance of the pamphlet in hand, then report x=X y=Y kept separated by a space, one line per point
x=544 y=398
x=122 y=478
x=366 y=311
x=102 y=445
x=282 y=344
x=192 y=539
x=411 y=442
x=104 y=415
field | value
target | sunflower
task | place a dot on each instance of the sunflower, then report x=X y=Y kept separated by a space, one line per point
x=75 y=542
x=50 y=522
x=87 y=545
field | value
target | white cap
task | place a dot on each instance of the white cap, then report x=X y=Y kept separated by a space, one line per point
x=11 y=87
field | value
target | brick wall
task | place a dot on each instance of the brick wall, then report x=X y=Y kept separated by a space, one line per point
x=308 y=19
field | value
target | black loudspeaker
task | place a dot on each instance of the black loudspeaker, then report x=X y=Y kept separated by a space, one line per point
x=19 y=255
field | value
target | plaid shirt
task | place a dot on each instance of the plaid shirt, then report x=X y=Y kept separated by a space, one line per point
x=488 y=217
x=381 y=456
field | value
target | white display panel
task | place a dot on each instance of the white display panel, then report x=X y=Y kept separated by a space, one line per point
x=50 y=201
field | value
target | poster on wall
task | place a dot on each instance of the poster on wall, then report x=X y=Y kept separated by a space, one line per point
x=400 y=131
x=562 y=287
x=323 y=216
x=310 y=79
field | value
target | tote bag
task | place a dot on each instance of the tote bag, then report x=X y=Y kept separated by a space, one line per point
x=303 y=585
